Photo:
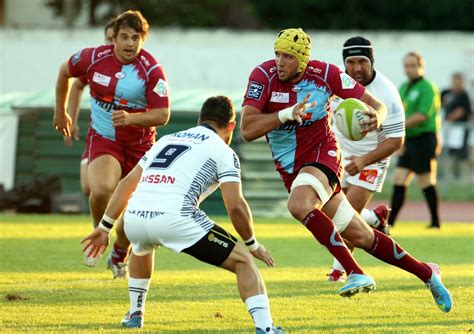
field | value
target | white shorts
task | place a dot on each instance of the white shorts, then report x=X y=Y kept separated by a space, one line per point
x=371 y=178
x=147 y=230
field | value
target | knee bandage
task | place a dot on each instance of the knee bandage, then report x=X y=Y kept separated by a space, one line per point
x=343 y=215
x=306 y=179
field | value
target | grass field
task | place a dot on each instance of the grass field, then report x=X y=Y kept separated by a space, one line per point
x=44 y=287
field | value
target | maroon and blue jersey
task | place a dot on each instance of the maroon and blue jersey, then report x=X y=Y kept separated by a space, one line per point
x=292 y=144
x=134 y=87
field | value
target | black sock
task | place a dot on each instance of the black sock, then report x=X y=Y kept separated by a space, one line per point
x=398 y=197
x=432 y=199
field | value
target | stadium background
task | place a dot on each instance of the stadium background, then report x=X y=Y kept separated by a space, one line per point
x=209 y=47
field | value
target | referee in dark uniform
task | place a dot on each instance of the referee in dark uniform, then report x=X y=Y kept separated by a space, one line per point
x=422 y=102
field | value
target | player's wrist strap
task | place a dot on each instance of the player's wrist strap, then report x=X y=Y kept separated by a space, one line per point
x=252 y=244
x=286 y=114
x=106 y=223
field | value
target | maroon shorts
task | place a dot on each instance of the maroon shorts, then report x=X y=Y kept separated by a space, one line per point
x=85 y=154
x=127 y=153
x=326 y=154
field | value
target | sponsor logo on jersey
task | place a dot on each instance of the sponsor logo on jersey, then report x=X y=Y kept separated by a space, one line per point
x=211 y=237
x=296 y=89
x=280 y=97
x=236 y=161
x=120 y=75
x=145 y=61
x=292 y=126
x=316 y=70
x=413 y=95
x=273 y=69
x=161 y=88
x=368 y=175
x=101 y=79
x=75 y=59
x=332 y=153
x=190 y=135
x=346 y=81
x=104 y=53
x=146 y=214
x=158 y=178
x=255 y=90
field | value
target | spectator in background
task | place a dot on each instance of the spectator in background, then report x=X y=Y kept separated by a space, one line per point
x=457 y=110
x=421 y=100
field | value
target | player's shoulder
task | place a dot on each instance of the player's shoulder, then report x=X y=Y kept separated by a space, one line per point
x=318 y=67
x=147 y=60
x=382 y=83
x=268 y=68
x=103 y=51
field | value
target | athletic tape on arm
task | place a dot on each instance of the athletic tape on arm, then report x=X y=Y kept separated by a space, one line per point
x=306 y=179
x=343 y=215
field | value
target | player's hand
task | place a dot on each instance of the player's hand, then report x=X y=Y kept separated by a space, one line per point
x=299 y=110
x=355 y=166
x=120 y=118
x=373 y=123
x=99 y=239
x=62 y=123
x=263 y=255
x=74 y=135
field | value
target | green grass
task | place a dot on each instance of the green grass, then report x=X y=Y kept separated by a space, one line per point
x=42 y=267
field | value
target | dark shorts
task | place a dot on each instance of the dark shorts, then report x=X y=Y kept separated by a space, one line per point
x=327 y=158
x=214 y=248
x=127 y=154
x=85 y=154
x=419 y=151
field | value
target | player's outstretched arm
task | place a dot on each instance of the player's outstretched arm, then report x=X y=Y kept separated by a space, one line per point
x=377 y=111
x=99 y=238
x=241 y=217
x=62 y=121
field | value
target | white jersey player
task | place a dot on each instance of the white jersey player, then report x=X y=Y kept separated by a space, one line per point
x=164 y=192
x=366 y=161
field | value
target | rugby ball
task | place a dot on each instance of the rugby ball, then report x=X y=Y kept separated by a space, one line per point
x=348 y=117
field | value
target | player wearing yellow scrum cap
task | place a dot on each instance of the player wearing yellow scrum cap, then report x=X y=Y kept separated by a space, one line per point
x=295 y=42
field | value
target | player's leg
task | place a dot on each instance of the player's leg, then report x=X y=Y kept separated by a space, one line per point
x=220 y=248
x=427 y=183
x=426 y=169
x=141 y=269
x=402 y=178
x=358 y=197
x=384 y=248
x=310 y=191
x=117 y=261
x=104 y=173
x=83 y=177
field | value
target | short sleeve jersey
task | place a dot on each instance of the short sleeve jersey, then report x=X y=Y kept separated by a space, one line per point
x=182 y=169
x=291 y=143
x=392 y=127
x=421 y=96
x=134 y=87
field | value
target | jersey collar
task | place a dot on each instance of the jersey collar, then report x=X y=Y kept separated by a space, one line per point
x=207 y=126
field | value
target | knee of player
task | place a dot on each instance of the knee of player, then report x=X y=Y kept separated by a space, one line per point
x=102 y=192
x=299 y=209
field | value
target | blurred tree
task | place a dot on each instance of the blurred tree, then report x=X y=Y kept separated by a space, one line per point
x=277 y=14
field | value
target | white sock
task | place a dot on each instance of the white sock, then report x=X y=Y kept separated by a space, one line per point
x=138 y=289
x=337 y=265
x=370 y=217
x=259 y=308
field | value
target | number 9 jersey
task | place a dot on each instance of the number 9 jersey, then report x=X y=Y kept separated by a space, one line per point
x=182 y=169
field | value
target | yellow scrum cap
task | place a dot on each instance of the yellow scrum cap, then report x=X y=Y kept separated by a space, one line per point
x=296 y=42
